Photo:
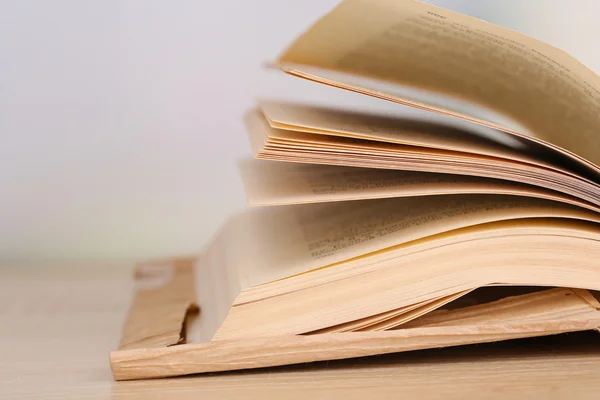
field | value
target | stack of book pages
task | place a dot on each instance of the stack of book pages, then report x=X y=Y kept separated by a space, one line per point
x=380 y=234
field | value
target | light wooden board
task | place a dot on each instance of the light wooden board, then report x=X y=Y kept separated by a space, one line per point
x=57 y=325
x=546 y=312
x=164 y=298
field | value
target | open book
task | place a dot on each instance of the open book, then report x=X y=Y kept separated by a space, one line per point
x=389 y=234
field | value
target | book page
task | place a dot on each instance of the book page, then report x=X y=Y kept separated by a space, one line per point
x=405 y=42
x=311 y=148
x=296 y=120
x=372 y=320
x=540 y=305
x=277 y=242
x=277 y=183
x=263 y=138
x=339 y=122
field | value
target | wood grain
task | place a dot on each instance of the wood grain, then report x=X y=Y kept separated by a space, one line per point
x=546 y=312
x=58 y=323
x=163 y=299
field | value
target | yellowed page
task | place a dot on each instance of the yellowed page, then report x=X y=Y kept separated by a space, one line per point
x=276 y=183
x=526 y=253
x=274 y=243
x=377 y=318
x=296 y=122
x=415 y=313
x=311 y=148
x=539 y=306
x=349 y=123
x=266 y=139
x=553 y=96
x=268 y=244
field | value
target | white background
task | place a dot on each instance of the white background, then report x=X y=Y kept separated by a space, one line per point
x=120 y=121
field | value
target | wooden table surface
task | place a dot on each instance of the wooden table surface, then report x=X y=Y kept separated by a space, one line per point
x=57 y=325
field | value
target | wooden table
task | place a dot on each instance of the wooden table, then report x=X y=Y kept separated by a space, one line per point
x=58 y=324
